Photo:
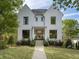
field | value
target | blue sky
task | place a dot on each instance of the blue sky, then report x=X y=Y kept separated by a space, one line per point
x=44 y=4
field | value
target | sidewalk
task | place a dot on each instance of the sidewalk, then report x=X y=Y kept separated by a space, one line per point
x=39 y=52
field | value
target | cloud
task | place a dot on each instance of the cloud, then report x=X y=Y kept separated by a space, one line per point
x=34 y=4
x=71 y=14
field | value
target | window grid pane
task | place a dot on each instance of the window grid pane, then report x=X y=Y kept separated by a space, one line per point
x=25 y=20
x=26 y=33
x=53 y=20
x=36 y=18
x=53 y=33
x=42 y=18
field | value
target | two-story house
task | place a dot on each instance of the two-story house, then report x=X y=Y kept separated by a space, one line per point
x=40 y=24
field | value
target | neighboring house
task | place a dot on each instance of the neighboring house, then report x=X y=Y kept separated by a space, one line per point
x=40 y=24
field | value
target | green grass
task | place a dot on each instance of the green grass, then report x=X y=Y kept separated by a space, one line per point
x=61 y=53
x=17 y=53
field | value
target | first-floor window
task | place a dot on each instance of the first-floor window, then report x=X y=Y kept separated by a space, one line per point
x=26 y=33
x=53 y=33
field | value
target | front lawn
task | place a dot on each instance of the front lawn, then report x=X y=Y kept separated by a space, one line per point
x=17 y=53
x=61 y=53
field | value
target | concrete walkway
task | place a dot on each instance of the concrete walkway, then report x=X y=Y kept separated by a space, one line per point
x=39 y=50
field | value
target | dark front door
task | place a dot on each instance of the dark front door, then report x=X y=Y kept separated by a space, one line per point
x=39 y=34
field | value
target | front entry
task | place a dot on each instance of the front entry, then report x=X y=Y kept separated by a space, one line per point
x=39 y=33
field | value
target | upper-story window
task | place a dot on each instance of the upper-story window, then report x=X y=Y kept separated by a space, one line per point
x=53 y=20
x=25 y=20
x=42 y=18
x=36 y=18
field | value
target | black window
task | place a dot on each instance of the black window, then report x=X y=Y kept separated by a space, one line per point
x=25 y=20
x=53 y=20
x=42 y=18
x=53 y=33
x=26 y=33
x=36 y=18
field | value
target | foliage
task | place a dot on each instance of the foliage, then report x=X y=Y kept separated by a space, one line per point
x=66 y=4
x=58 y=43
x=51 y=42
x=3 y=42
x=23 y=42
x=68 y=44
x=11 y=40
x=32 y=43
x=8 y=16
x=46 y=43
x=69 y=29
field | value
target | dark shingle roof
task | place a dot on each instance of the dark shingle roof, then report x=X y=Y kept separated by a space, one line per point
x=39 y=11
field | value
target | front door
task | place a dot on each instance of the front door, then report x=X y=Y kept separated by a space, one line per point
x=39 y=34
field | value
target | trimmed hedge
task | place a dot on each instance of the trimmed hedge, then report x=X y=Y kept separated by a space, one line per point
x=3 y=44
x=68 y=44
x=32 y=43
x=51 y=42
x=26 y=42
x=58 y=43
x=23 y=42
x=11 y=40
x=46 y=43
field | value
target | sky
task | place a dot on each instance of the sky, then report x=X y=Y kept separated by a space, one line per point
x=45 y=4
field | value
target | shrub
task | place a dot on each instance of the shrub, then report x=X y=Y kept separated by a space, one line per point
x=11 y=40
x=18 y=43
x=58 y=43
x=68 y=44
x=32 y=43
x=46 y=43
x=77 y=45
x=23 y=42
x=51 y=42
x=3 y=42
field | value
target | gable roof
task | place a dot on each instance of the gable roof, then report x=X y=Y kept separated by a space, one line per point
x=39 y=11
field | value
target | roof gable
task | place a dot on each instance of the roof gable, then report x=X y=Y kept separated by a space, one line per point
x=40 y=11
x=53 y=8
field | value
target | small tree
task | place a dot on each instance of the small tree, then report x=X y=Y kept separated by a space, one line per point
x=69 y=30
x=8 y=16
x=11 y=40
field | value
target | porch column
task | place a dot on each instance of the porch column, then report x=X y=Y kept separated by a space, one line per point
x=33 y=36
x=46 y=33
x=19 y=34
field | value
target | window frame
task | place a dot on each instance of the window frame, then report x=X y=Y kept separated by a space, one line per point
x=53 y=20
x=54 y=33
x=26 y=34
x=42 y=19
x=26 y=20
x=36 y=18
